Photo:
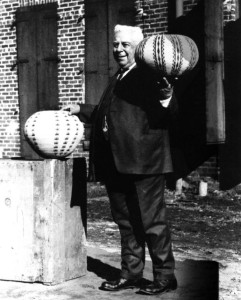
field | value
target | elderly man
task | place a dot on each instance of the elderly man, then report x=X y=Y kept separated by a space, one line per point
x=130 y=153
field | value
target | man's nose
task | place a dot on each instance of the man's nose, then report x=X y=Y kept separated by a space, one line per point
x=119 y=48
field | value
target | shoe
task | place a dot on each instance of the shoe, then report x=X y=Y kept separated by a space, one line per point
x=120 y=284
x=159 y=287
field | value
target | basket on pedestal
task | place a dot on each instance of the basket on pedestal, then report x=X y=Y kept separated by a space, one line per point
x=53 y=133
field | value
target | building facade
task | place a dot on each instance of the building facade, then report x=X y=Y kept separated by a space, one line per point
x=74 y=41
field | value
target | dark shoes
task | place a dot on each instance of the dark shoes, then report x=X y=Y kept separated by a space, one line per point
x=159 y=287
x=120 y=284
x=154 y=288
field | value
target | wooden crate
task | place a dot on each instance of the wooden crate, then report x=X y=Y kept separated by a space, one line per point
x=41 y=229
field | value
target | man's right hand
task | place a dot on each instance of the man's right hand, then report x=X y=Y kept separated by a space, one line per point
x=72 y=109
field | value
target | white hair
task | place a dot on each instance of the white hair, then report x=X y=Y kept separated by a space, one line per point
x=134 y=31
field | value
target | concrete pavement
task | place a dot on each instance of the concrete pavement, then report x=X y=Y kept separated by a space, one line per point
x=197 y=280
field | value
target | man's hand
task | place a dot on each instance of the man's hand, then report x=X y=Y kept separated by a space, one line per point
x=72 y=109
x=165 y=87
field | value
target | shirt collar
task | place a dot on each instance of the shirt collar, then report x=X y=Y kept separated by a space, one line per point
x=123 y=72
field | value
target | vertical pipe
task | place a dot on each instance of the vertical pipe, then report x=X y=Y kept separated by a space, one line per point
x=239 y=8
x=179 y=12
x=179 y=8
x=215 y=101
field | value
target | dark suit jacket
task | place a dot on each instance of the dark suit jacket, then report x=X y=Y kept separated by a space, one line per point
x=138 y=125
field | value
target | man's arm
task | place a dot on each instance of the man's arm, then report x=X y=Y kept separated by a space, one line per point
x=83 y=111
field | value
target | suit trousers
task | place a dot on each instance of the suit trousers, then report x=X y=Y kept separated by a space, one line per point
x=138 y=208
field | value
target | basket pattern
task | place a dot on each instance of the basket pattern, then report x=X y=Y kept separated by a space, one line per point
x=168 y=54
x=53 y=134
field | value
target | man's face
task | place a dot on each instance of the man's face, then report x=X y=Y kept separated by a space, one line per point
x=124 y=49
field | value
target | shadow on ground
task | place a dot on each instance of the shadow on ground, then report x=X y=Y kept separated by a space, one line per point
x=197 y=280
x=101 y=269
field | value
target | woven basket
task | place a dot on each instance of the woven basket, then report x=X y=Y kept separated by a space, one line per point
x=168 y=54
x=53 y=134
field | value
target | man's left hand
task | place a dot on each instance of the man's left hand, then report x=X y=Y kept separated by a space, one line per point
x=165 y=88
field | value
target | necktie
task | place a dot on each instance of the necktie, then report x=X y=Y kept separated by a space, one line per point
x=121 y=73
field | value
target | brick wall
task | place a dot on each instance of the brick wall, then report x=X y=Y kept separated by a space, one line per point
x=9 y=125
x=155 y=15
x=188 y=5
x=230 y=8
x=71 y=44
x=71 y=51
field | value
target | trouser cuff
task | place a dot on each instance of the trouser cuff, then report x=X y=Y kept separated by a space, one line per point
x=164 y=276
x=127 y=275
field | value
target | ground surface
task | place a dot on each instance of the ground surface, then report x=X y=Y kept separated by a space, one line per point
x=213 y=221
x=206 y=239
x=203 y=228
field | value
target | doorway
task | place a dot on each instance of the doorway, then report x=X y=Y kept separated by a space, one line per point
x=37 y=61
x=100 y=18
